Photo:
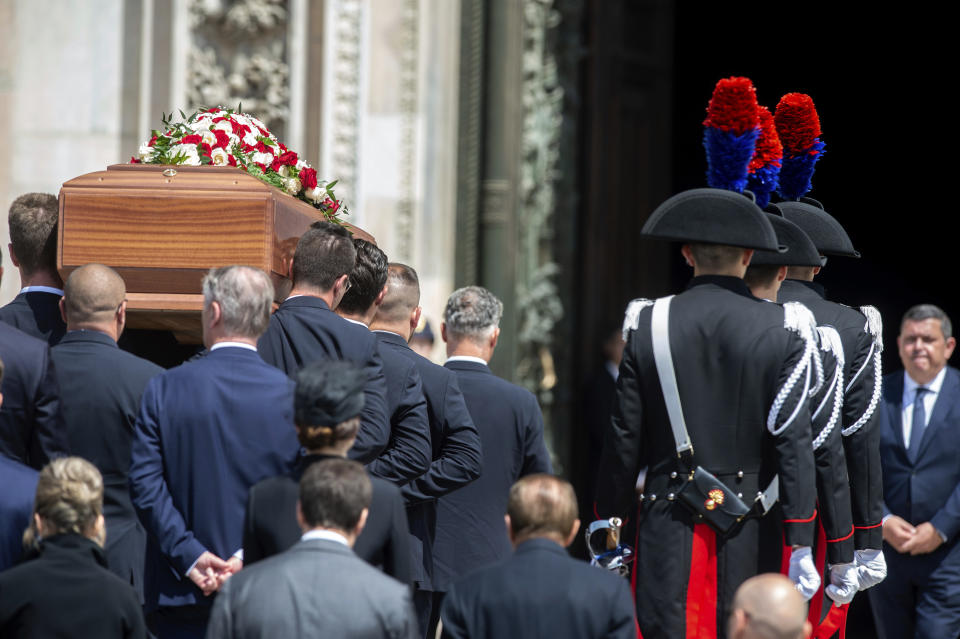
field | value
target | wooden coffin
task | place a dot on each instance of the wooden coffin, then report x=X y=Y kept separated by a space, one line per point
x=162 y=228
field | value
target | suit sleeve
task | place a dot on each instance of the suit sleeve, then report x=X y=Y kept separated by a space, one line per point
x=861 y=443
x=536 y=458
x=149 y=492
x=623 y=615
x=397 y=560
x=452 y=616
x=460 y=457
x=252 y=548
x=48 y=438
x=621 y=457
x=272 y=348
x=788 y=424
x=374 y=433
x=409 y=453
x=833 y=487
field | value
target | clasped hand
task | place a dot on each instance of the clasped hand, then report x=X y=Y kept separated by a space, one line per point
x=905 y=538
x=210 y=572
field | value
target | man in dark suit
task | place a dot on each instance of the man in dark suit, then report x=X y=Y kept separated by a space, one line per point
x=470 y=532
x=540 y=591
x=31 y=424
x=919 y=447
x=408 y=454
x=319 y=587
x=207 y=431
x=33 y=250
x=16 y=504
x=305 y=329
x=456 y=453
x=100 y=390
x=327 y=403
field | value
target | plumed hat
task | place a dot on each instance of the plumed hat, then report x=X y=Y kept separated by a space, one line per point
x=827 y=234
x=800 y=249
x=712 y=216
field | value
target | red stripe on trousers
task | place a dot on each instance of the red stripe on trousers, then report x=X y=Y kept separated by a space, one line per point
x=702 y=585
x=836 y=620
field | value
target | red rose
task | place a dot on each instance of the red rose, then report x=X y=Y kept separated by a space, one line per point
x=263 y=131
x=239 y=130
x=283 y=147
x=204 y=149
x=288 y=158
x=134 y=160
x=330 y=205
x=308 y=178
x=190 y=139
x=247 y=148
x=223 y=140
x=263 y=148
x=275 y=165
x=261 y=167
x=232 y=161
x=152 y=141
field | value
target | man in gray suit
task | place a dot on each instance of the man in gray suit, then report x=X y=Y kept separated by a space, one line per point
x=319 y=587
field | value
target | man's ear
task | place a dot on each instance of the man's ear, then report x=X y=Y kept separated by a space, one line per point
x=494 y=338
x=816 y=270
x=300 y=520
x=362 y=522
x=63 y=309
x=13 y=256
x=506 y=521
x=781 y=273
x=121 y=317
x=380 y=296
x=443 y=331
x=415 y=319
x=747 y=256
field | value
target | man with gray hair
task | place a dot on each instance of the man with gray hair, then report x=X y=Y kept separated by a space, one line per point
x=919 y=446
x=768 y=606
x=470 y=532
x=207 y=431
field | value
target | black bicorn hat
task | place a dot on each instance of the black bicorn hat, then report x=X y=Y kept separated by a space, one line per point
x=328 y=392
x=801 y=250
x=712 y=216
x=827 y=234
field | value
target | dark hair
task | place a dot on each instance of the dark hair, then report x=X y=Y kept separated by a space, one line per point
x=761 y=275
x=542 y=505
x=33 y=231
x=333 y=493
x=715 y=256
x=324 y=253
x=367 y=278
x=922 y=312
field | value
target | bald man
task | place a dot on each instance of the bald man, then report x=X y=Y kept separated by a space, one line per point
x=540 y=591
x=768 y=606
x=100 y=389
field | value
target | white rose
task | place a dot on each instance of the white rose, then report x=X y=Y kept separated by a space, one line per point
x=317 y=194
x=287 y=171
x=223 y=125
x=146 y=152
x=189 y=151
x=301 y=165
x=250 y=138
x=265 y=159
x=292 y=186
x=208 y=137
x=219 y=157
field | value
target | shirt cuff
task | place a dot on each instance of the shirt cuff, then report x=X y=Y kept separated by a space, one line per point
x=885 y=518
x=942 y=536
x=239 y=554
x=192 y=566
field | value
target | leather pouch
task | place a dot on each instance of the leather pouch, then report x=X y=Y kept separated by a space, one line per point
x=714 y=503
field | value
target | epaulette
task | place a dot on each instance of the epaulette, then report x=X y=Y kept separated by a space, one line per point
x=799 y=319
x=874 y=325
x=631 y=319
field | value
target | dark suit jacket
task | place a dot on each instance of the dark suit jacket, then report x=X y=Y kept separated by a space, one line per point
x=539 y=592
x=100 y=390
x=207 y=431
x=929 y=489
x=67 y=592
x=304 y=330
x=456 y=453
x=409 y=454
x=16 y=508
x=36 y=313
x=270 y=526
x=470 y=528
x=31 y=426
x=317 y=588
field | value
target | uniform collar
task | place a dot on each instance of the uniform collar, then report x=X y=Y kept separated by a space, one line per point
x=465 y=358
x=813 y=286
x=729 y=282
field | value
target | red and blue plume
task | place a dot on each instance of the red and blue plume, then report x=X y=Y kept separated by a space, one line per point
x=764 y=170
x=798 y=126
x=730 y=133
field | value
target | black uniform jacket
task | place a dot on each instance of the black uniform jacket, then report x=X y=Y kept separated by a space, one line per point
x=409 y=453
x=862 y=378
x=270 y=525
x=67 y=592
x=456 y=454
x=304 y=330
x=539 y=592
x=31 y=425
x=470 y=529
x=36 y=313
x=100 y=391
x=743 y=391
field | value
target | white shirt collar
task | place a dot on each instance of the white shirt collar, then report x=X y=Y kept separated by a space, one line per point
x=358 y=323
x=466 y=358
x=249 y=347
x=329 y=535
x=910 y=386
x=42 y=289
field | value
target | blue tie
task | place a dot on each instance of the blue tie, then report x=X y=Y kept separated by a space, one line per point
x=919 y=423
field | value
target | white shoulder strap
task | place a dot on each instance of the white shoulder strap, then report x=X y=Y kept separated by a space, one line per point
x=660 y=332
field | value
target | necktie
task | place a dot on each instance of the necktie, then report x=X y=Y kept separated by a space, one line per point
x=919 y=423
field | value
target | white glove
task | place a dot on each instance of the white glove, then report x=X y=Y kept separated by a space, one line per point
x=871 y=567
x=803 y=572
x=844 y=583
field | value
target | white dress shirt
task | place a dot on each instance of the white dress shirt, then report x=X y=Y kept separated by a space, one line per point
x=329 y=535
x=928 y=399
x=466 y=358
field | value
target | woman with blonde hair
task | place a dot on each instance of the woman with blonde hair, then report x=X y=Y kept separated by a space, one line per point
x=65 y=590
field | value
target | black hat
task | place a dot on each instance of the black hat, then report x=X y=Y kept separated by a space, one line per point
x=712 y=216
x=800 y=248
x=821 y=227
x=328 y=393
